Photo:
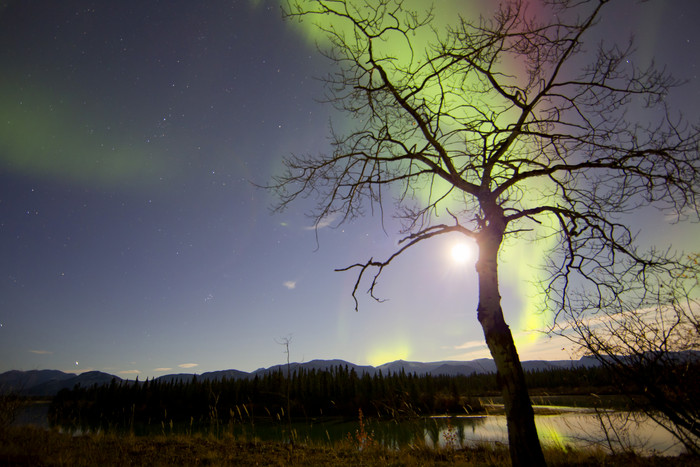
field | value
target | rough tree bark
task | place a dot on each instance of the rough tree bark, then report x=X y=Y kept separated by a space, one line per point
x=523 y=440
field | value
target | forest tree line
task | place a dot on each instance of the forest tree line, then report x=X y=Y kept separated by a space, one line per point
x=336 y=392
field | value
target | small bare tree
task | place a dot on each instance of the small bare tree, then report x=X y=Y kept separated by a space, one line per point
x=646 y=330
x=507 y=125
x=286 y=341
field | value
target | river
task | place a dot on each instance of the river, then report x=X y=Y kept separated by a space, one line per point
x=558 y=426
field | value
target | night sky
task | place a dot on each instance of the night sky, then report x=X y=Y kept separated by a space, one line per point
x=134 y=241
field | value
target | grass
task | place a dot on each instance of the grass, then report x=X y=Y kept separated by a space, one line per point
x=29 y=445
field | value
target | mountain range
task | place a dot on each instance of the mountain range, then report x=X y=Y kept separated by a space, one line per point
x=49 y=382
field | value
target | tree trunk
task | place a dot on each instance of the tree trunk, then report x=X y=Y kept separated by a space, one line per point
x=523 y=442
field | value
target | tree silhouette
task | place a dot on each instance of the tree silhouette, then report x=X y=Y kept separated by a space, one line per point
x=646 y=330
x=510 y=126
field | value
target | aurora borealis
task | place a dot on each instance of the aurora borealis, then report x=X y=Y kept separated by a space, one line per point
x=132 y=237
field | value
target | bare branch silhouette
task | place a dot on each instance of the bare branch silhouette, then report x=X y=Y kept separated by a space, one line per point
x=502 y=122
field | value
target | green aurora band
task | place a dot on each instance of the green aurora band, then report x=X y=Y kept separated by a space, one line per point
x=525 y=258
x=43 y=136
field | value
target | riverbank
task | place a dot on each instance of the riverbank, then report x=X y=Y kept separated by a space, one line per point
x=28 y=445
x=559 y=427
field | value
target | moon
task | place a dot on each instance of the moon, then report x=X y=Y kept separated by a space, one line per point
x=462 y=253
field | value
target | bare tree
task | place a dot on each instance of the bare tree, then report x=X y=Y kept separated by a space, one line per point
x=646 y=330
x=503 y=125
x=285 y=341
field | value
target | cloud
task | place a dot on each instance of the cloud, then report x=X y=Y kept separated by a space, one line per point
x=474 y=350
x=290 y=284
x=325 y=222
x=130 y=372
x=162 y=369
x=472 y=355
x=188 y=365
x=41 y=352
x=551 y=348
x=470 y=345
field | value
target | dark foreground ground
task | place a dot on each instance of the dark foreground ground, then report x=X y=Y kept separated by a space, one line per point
x=31 y=446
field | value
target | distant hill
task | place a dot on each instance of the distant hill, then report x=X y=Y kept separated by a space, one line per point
x=317 y=365
x=49 y=382
x=183 y=377
x=208 y=376
x=447 y=367
x=21 y=381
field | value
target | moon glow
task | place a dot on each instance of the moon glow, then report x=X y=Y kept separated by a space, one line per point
x=462 y=253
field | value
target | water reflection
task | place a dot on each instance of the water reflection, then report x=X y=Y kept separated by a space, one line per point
x=612 y=431
x=581 y=428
